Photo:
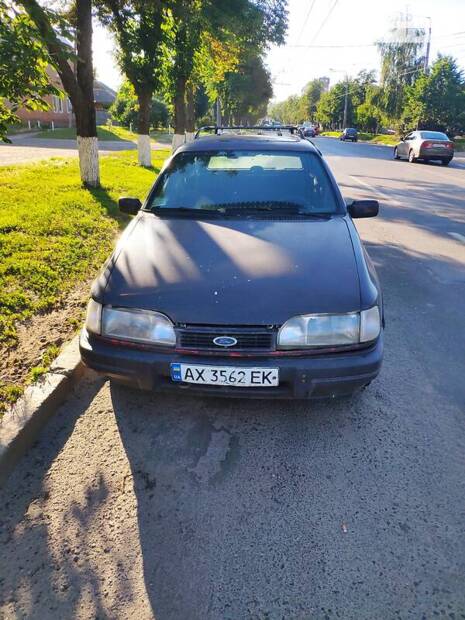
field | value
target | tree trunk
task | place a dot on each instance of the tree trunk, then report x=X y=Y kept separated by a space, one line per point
x=79 y=85
x=179 y=136
x=190 y=113
x=143 y=128
x=86 y=125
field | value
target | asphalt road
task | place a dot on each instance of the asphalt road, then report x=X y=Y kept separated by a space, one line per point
x=27 y=148
x=141 y=506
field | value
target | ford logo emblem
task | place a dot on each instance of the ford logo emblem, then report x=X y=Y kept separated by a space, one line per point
x=224 y=341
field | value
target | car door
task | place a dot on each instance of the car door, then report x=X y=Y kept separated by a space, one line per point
x=404 y=146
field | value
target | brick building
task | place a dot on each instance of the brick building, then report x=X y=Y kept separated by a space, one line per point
x=60 y=109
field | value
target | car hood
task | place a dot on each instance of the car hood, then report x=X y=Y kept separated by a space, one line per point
x=236 y=272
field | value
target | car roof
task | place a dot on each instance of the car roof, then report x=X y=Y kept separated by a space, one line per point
x=231 y=141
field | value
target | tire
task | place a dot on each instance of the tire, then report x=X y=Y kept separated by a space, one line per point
x=411 y=157
x=396 y=154
x=446 y=162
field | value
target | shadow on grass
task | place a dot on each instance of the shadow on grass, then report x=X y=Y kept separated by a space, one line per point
x=110 y=204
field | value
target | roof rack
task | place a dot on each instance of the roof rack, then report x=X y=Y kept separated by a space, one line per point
x=218 y=129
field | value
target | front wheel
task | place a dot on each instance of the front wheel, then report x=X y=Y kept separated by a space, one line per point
x=446 y=162
x=396 y=154
x=411 y=157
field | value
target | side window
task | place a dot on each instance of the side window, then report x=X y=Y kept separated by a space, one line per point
x=410 y=136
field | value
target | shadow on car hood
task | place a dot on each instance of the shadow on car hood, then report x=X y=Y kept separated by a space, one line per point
x=233 y=271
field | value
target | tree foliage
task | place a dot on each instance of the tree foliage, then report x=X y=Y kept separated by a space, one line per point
x=138 y=26
x=437 y=99
x=23 y=66
x=125 y=108
x=401 y=61
x=245 y=92
x=213 y=38
x=297 y=109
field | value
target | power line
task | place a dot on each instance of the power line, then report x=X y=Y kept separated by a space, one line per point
x=305 y=21
x=323 y=23
x=334 y=46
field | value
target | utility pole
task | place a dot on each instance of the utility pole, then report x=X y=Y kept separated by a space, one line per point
x=428 y=46
x=346 y=101
x=218 y=112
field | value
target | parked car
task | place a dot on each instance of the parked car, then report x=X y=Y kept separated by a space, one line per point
x=425 y=145
x=309 y=132
x=242 y=274
x=350 y=133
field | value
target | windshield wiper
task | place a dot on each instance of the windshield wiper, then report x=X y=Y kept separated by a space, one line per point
x=184 y=211
x=281 y=207
x=265 y=205
x=238 y=208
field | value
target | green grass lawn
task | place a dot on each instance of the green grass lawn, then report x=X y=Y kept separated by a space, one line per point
x=104 y=133
x=459 y=145
x=378 y=138
x=54 y=234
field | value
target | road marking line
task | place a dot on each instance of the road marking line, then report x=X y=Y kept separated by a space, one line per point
x=457 y=236
x=380 y=193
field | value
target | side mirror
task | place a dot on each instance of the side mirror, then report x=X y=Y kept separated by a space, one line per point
x=129 y=205
x=363 y=208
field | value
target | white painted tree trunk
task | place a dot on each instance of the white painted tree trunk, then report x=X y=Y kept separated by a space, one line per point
x=88 y=161
x=189 y=136
x=178 y=140
x=144 y=150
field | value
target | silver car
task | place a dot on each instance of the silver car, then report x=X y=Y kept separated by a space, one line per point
x=425 y=145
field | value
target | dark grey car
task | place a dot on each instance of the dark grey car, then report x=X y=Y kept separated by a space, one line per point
x=425 y=146
x=242 y=274
x=349 y=133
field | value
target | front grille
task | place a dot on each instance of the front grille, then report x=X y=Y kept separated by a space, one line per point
x=250 y=338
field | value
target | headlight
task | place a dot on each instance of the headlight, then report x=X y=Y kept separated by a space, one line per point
x=94 y=317
x=328 y=330
x=138 y=326
x=370 y=324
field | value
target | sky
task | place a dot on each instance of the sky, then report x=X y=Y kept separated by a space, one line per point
x=332 y=38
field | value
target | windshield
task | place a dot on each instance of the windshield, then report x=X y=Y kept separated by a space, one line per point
x=433 y=135
x=228 y=181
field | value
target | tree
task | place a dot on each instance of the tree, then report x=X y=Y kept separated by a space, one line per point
x=125 y=108
x=138 y=26
x=312 y=94
x=401 y=61
x=23 y=67
x=437 y=99
x=220 y=29
x=245 y=92
x=330 y=108
x=368 y=117
x=77 y=81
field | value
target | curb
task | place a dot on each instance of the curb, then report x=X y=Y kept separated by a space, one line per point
x=22 y=425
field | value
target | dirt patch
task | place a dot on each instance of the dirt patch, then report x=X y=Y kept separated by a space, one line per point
x=37 y=334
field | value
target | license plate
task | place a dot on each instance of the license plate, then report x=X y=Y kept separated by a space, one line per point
x=225 y=375
x=439 y=146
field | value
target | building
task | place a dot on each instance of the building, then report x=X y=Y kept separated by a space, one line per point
x=104 y=96
x=60 y=111
x=325 y=81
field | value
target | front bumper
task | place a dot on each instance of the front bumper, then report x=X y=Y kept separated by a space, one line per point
x=315 y=376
